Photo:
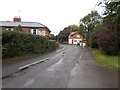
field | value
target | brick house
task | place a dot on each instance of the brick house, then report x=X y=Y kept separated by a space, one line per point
x=75 y=38
x=29 y=27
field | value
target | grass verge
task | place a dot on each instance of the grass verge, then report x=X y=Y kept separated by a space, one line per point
x=106 y=60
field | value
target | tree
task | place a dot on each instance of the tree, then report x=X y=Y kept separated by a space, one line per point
x=107 y=38
x=88 y=23
x=53 y=37
x=112 y=10
x=108 y=34
x=63 y=35
x=81 y=30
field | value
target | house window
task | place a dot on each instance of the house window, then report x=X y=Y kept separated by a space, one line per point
x=10 y=29
x=34 y=31
x=75 y=40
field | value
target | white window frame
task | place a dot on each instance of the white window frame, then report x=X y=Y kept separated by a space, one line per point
x=36 y=31
x=11 y=29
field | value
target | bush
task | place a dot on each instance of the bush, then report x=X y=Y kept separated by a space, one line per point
x=107 y=38
x=18 y=44
x=93 y=43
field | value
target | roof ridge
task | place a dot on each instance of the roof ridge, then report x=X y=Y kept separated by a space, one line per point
x=11 y=23
x=24 y=22
x=72 y=33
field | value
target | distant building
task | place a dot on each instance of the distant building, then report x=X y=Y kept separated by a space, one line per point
x=29 y=27
x=74 y=38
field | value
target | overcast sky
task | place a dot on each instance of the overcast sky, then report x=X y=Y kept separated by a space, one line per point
x=55 y=14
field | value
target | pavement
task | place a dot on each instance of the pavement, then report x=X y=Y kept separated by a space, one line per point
x=87 y=74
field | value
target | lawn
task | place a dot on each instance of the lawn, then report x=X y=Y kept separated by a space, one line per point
x=106 y=60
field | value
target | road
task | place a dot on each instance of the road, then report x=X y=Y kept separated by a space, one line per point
x=53 y=73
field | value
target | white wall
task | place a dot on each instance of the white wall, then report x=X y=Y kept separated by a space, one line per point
x=41 y=33
x=70 y=41
x=75 y=41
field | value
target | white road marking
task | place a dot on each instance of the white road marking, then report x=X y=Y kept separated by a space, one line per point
x=55 y=65
x=80 y=56
x=60 y=49
x=73 y=72
x=25 y=66
x=59 y=62
x=57 y=54
x=28 y=83
x=50 y=69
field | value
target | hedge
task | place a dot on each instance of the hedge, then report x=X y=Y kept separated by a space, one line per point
x=107 y=38
x=16 y=44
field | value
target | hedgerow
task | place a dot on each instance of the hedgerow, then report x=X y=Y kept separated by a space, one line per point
x=107 y=38
x=16 y=44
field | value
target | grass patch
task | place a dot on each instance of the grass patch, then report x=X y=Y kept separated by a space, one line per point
x=106 y=60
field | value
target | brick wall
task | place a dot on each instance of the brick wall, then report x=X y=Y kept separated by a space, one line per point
x=26 y=30
x=2 y=28
x=43 y=31
x=75 y=36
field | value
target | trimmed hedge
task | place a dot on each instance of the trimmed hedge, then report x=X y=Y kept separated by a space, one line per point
x=19 y=44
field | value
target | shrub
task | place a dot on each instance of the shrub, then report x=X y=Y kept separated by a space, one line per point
x=93 y=43
x=107 y=38
x=18 y=43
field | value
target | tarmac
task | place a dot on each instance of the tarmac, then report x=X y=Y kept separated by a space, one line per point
x=87 y=74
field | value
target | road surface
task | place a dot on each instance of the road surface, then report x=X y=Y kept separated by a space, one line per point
x=53 y=73
x=68 y=67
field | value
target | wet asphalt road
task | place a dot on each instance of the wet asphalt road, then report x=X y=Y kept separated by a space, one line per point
x=53 y=73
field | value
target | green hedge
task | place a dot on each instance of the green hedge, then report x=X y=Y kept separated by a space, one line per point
x=18 y=44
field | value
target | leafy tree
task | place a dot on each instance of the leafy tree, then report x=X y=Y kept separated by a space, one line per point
x=107 y=38
x=88 y=23
x=112 y=10
x=108 y=35
x=63 y=35
x=81 y=30
x=53 y=37
x=73 y=27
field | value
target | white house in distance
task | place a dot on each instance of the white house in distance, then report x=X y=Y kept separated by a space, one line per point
x=74 y=38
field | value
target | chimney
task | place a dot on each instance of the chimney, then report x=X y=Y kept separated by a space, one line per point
x=16 y=19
